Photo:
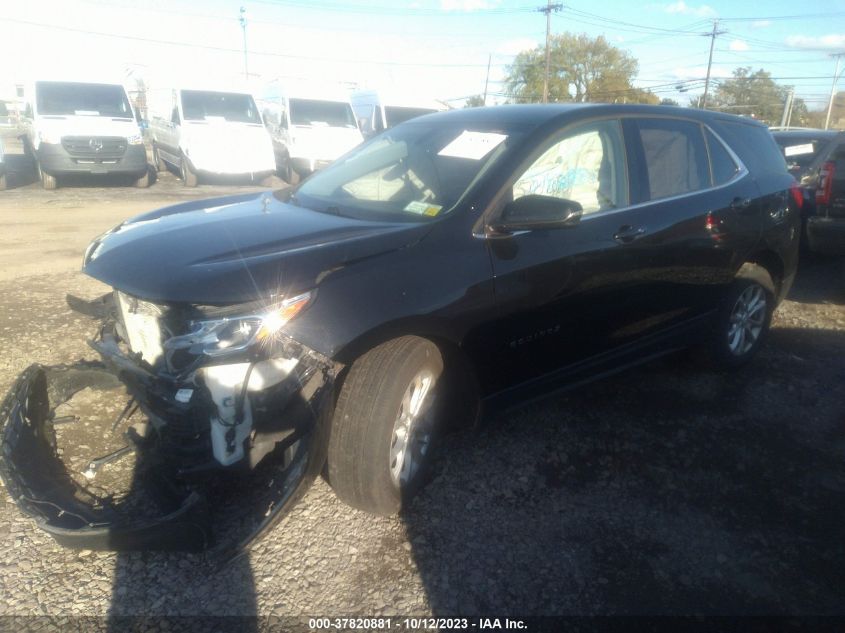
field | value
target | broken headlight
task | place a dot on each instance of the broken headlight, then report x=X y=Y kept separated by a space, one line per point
x=217 y=337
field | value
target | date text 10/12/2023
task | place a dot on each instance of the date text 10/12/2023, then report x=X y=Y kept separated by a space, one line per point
x=415 y=624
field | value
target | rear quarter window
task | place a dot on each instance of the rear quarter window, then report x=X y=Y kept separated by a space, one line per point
x=724 y=167
x=754 y=145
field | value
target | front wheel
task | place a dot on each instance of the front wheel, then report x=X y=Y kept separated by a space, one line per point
x=189 y=176
x=144 y=181
x=47 y=181
x=743 y=321
x=386 y=425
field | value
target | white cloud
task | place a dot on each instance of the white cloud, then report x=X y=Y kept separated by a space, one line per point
x=834 y=41
x=467 y=5
x=682 y=8
x=512 y=47
x=738 y=45
x=761 y=24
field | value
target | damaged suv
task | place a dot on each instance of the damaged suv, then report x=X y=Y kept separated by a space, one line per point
x=459 y=262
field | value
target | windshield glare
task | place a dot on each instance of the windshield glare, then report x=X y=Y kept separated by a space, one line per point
x=200 y=105
x=413 y=172
x=65 y=98
x=318 y=112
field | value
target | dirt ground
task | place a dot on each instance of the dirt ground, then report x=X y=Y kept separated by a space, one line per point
x=667 y=489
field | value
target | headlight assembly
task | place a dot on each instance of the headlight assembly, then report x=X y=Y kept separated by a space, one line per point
x=217 y=337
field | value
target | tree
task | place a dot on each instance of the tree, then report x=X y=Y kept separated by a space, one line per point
x=581 y=69
x=757 y=95
x=475 y=101
x=669 y=102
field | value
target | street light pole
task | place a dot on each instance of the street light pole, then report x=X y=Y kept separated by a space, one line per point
x=838 y=57
x=243 y=28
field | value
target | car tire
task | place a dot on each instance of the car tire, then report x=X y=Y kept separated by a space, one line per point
x=47 y=181
x=386 y=425
x=743 y=319
x=189 y=176
x=291 y=176
x=160 y=165
x=144 y=181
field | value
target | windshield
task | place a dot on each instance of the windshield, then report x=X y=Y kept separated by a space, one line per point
x=399 y=114
x=201 y=105
x=413 y=172
x=317 y=112
x=60 y=98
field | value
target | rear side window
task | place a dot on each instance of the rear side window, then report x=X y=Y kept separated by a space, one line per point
x=675 y=157
x=722 y=165
x=754 y=145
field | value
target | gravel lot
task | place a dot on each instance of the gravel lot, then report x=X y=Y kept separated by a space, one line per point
x=663 y=490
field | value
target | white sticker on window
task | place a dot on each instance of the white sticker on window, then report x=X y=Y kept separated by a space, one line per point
x=473 y=145
x=423 y=208
x=795 y=150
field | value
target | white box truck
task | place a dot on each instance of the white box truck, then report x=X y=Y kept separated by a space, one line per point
x=74 y=127
x=378 y=110
x=209 y=133
x=311 y=126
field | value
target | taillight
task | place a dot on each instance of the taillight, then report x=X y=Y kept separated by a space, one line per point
x=797 y=195
x=823 y=193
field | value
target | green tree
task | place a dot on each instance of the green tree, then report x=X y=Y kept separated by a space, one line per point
x=581 y=69
x=755 y=94
x=474 y=101
x=669 y=102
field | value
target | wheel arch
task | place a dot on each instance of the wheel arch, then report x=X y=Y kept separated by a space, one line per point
x=771 y=263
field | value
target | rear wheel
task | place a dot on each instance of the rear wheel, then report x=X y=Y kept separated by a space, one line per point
x=386 y=425
x=189 y=176
x=290 y=175
x=743 y=321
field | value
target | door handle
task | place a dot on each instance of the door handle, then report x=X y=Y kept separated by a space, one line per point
x=628 y=233
x=740 y=204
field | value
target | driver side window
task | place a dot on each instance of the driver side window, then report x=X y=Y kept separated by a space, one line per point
x=586 y=166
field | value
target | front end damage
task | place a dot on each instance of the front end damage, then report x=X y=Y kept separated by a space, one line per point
x=224 y=416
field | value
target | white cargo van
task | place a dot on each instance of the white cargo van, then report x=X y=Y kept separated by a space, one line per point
x=311 y=126
x=209 y=132
x=80 y=127
x=377 y=111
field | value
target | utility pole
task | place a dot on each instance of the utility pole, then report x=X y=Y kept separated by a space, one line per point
x=487 y=79
x=557 y=6
x=712 y=35
x=787 y=108
x=243 y=28
x=838 y=57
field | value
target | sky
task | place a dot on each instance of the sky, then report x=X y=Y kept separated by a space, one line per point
x=425 y=48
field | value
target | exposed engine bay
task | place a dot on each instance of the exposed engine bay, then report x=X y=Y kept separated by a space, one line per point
x=224 y=415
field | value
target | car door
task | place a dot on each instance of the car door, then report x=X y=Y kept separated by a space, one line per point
x=641 y=263
x=551 y=283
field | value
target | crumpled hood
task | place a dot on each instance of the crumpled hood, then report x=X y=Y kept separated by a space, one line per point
x=236 y=249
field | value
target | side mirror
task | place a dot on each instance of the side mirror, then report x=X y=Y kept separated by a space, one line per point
x=538 y=212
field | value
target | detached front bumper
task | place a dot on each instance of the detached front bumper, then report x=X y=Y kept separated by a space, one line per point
x=187 y=506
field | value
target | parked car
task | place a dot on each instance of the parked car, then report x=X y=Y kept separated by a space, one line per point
x=471 y=258
x=83 y=128
x=376 y=110
x=310 y=125
x=814 y=158
x=209 y=133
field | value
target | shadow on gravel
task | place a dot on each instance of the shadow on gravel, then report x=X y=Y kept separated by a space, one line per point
x=665 y=490
x=820 y=279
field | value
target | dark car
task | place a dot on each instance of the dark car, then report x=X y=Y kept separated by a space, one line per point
x=460 y=262
x=814 y=158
